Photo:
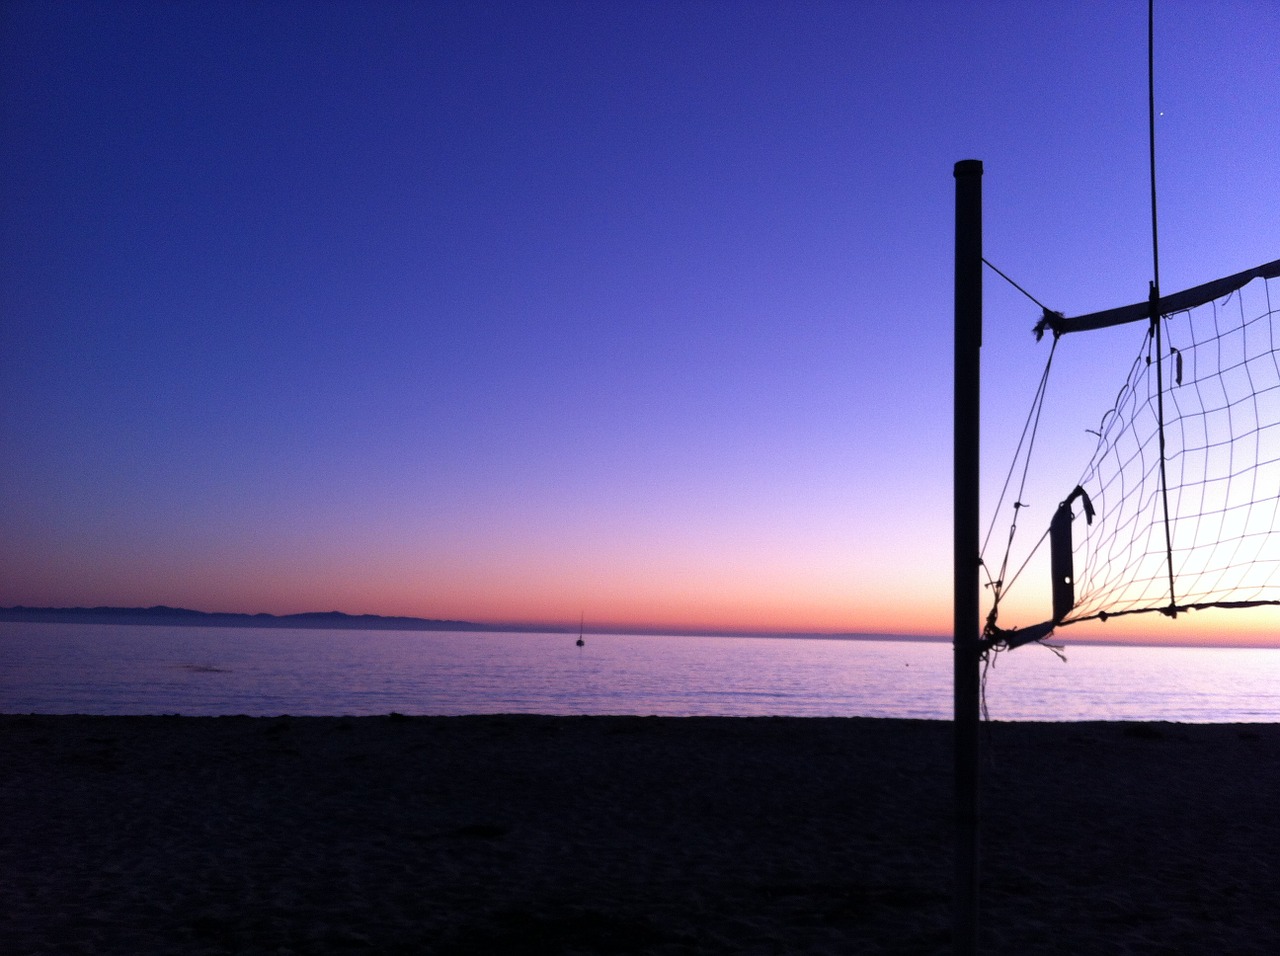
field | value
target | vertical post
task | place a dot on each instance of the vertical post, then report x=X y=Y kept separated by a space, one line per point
x=967 y=639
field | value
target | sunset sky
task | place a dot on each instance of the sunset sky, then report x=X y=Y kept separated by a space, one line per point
x=521 y=311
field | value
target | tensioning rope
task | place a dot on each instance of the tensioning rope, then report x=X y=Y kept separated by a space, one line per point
x=1030 y=428
x=1029 y=431
x=992 y=267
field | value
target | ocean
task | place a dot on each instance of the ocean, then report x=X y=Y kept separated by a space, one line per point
x=208 y=671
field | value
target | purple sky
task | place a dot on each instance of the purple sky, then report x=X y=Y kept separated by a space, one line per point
x=516 y=311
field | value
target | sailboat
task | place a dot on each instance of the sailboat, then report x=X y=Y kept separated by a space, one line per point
x=580 y=641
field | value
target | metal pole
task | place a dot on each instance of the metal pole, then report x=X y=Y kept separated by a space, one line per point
x=967 y=640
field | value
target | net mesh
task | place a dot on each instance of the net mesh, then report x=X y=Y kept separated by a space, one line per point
x=1179 y=505
x=1218 y=367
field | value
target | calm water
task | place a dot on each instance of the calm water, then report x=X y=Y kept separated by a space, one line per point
x=117 y=669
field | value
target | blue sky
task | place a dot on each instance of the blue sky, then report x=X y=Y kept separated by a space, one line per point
x=512 y=311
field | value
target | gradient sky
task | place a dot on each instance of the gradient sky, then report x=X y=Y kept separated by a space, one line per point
x=516 y=311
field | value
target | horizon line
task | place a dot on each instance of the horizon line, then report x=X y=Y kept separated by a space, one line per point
x=164 y=613
x=159 y=614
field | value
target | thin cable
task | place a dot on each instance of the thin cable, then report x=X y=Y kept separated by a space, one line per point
x=1157 y=324
x=1155 y=296
x=1151 y=137
x=1043 y=307
x=1033 y=415
x=1028 y=437
x=1026 y=561
x=1029 y=428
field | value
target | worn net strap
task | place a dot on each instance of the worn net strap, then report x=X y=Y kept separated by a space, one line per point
x=1222 y=464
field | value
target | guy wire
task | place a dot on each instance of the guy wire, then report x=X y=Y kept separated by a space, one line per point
x=990 y=266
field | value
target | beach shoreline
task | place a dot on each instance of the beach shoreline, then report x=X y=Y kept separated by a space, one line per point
x=528 y=834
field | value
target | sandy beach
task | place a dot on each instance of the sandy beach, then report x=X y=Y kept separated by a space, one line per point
x=544 y=835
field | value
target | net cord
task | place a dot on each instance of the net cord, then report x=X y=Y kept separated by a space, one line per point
x=1182 y=301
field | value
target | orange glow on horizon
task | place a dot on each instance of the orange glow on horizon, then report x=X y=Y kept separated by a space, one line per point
x=616 y=594
x=1214 y=627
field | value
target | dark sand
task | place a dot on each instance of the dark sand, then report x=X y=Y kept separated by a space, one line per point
x=540 y=835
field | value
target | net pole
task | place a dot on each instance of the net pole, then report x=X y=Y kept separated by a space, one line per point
x=966 y=641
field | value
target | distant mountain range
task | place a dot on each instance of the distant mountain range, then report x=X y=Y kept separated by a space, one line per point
x=337 y=620
x=161 y=614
